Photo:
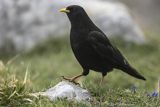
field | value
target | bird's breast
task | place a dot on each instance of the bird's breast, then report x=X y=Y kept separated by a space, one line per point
x=85 y=53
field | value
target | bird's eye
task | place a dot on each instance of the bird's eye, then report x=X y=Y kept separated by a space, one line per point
x=71 y=9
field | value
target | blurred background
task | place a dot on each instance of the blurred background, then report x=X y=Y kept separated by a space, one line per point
x=35 y=33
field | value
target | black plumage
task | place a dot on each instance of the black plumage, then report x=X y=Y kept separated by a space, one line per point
x=92 y=48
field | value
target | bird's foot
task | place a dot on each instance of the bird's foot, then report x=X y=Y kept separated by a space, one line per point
x=73 y=80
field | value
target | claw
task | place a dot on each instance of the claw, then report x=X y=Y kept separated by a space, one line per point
x=73 y=80
x=70 y=80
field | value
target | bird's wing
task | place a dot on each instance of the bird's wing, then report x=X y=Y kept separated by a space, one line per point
x=102 y=46
x=100 y=43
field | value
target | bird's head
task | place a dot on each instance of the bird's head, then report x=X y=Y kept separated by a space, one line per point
x=74 y=12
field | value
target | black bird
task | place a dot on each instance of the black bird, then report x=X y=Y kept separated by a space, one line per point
x=92 y=48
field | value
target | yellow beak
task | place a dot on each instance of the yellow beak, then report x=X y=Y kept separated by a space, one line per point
x=64 y=10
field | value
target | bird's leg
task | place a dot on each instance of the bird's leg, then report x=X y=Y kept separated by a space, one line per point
x=73 y=79
x=102 y=79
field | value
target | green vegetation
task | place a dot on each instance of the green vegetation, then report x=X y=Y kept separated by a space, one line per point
x=42 y=68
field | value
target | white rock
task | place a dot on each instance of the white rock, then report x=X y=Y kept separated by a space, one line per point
x=26 y=23
x=68 y=91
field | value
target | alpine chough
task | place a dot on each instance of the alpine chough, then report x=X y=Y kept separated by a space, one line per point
x=92 y=48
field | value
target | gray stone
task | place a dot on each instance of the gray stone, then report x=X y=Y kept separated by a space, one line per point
x=67 y=90
x=26 y=23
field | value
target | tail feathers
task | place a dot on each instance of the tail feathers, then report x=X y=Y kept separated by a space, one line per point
x=133 y=72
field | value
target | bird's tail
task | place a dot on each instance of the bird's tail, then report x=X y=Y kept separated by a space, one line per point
x=133 y=72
